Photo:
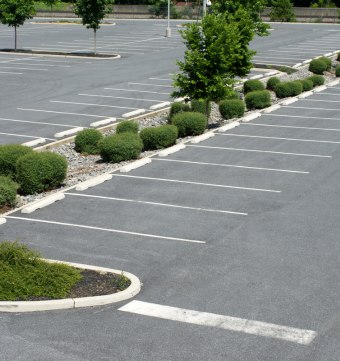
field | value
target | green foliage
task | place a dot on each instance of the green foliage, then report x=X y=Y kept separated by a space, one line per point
x=9 y=154
x=337 y=70
x=159 y=137
x=57 y=6
x=189 y=123
x=252 y=85
x=122 y=282
x=178 y=107
x=288 y=89
x=87 y=140
x=327 y=61
x=51 y=3
x=160 y=9
x=317 y=80
x=201 y=106
x=338 y=57
x=258 y=99
x=24 y=275
x=282 y=10
x=119 y=147
x=307 y=84
x=287 y=69
x=231 y=108
x=92 y=12
x=8 y=192
x=233 y=95
x=127 y=126
x=40 y=171
x=272 y=82
x=317 y=66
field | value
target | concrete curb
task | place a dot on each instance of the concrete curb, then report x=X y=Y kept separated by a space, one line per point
x=62 y=304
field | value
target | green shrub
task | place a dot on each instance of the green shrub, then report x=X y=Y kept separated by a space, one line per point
x=24 y=275
x=8 y=192
x=233 y=108
x=178 y=107
x=190 y=123
x=337 y=70
x=9 y=154
x=233 y=95
x=200 y=106
x=119 y=147
x=288 y=89
x=327 y=61
x=252 y=85
x=317 y=80
x=258 y=99
x=338 y=57
x=87 y=140
x=307 y=84
x=317 y=66
x=127 y=126
x=38 y=172
x=272 y=82
x=159 y=137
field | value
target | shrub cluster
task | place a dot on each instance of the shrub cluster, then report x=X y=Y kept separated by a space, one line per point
x=159 y=137
x=317 y=80
x=9 y=154
x=231 y=108
x=337 y=70
x=201 y=106
x=190 y=123
x=272 y=82
x=252 y=85
x=233 y=95
x=288 y=89
x=127 y=126
x=178 y=107
x=258 y=99
x=318 y=66
x=327 y=61
x=87 y=141
x=307 y=84
x=8 y=191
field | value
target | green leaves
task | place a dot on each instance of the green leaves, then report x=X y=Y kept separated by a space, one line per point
x=16 y=12
x=92 y=12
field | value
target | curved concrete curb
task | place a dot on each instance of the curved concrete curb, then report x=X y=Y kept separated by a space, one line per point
x=33 y=306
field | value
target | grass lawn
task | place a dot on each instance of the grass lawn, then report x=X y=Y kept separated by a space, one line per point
x=60 y=6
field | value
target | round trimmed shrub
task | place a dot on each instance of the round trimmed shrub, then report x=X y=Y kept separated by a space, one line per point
x=272 y=82
x=327 y=61
x=307 y=84
x=317 y=80
x=87 y=140
x=38 y=172
x=288 y=89
x=127 y=126
x=159 y=137
x=233 y=95
x=200 y=106
x=9 y=154
x=178 y=107
x=337 y=70
x=252 y=85
x=8 y=192
x=190 y=123
x=317 y=66
x=119 y=147
x=258 y=99
x=233 y=108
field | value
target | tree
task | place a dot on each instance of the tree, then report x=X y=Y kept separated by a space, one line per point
x=15 y=13
x=282 y=10
x=51 y=3
x=213 y=57
x=92 y=12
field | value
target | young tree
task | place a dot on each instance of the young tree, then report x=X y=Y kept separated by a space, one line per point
x=51 y=3
x=92 y=12
x=282 y=10
x=15 y=13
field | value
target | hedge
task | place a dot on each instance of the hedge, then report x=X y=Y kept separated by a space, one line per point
x=8 y=191
x=252 y=85
x=233 y=108
x=190 y=123
x=38 y=172
x=288 y=89
x=127 y=126
x=327 y=61
x=317 y=66
x=337 y=70
x=307 y=84
x=200 y=106
x=159 y=137
x=87 y=141
x=178 y=107
x=317 y=80
x=9 y=154
x=258 y=99
x=272 y=82
x=119 y=147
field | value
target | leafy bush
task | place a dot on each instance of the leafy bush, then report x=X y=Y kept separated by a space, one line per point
x=38 y=172
x=127 y=126
x=178 y=107
x=327 y=61
x=189 y=123
x=258 y=99
x=233 y=95
x=288 y=89
x=159 y=137
x=24 y=275
x=307 y=84
x=8 y=191
x=338 y=57
x=272 y=82
x=317 y=66
x=252 y=85
x=87 y=141
x=317 y=80
x=119 y=147
x=200 y=106
x=337 y=70
x=9 y=154
x=232 y=108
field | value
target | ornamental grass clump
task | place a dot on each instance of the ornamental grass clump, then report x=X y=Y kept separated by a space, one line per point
x=258 y=99
x=233 y=108
x=87 y=141
x=317 y=66
x=272 y=82
x=159 y=137
x=129 y=126
x=120 y=147
x=190 y=123
x=252 y=85
x=317 y=80
x=9 y=154
x=8 y=192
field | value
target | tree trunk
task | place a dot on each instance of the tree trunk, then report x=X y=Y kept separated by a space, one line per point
x=15 y=38
x=95 y=41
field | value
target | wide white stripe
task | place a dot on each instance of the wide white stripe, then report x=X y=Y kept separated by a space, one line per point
x=158 y=85
x=295 y=107
x=322 y=100
x=24 y=136
x=302 y=116
x=89 y=104
x=10 y=72
x=291 y=127
x=31 y=220
x=251 y=327
x=38 y=123
x=137 y=91
x=53 y=111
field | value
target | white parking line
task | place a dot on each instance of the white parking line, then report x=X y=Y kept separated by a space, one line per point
x=137 y=91
x=301 y=116
x=279 y=138
x=251 y=327
x=322 y=100
x=231 y=166
x=52 y=111
x=114 y=97
x=20 y=68
x=288 y=106
x=10 y=72
x=167 y=79
x=24 y=136
x=197 y=183
x=156 y=236
x=260 y=151
x=92 y=105
x=328 y=93
x=290 y=127
x=158 y=85
x=49 y=65
x=39 y=123
x=157 y=204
